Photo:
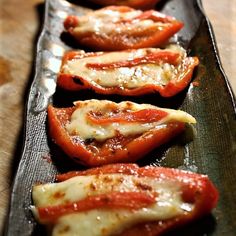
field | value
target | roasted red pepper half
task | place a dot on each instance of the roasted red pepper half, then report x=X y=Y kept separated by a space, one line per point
x=124 y=200
x=131 y=72
x=119 y=27
x=137 y=4
x=98 y=132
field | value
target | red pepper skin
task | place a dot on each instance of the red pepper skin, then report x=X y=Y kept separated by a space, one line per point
x=137 y=4
x=134 y=169
x=115 y=41
x=146 y=115
x=114 y=200
x=120 y=168
x=196 y=189
x=118 y=149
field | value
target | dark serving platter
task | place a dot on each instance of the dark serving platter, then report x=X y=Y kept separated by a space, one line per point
x=212 y=152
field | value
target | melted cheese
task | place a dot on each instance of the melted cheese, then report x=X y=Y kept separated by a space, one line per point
x=168 y=204
x=80 y=125
x=105 y=22
x=124 y=77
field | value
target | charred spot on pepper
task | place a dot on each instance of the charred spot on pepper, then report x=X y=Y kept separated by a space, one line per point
x=106 y=199
x=58 y=195
x=120 y=180
x=77 y=80
x=143 y=187
x=64 y=230
x=107 y=179
x=93 y=187
x=89 y=141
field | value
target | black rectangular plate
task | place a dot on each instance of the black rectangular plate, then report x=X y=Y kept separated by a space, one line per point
x=212 y=152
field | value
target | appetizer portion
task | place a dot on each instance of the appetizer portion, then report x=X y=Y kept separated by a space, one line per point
x=130 y=72
x=120 y=27
x=138 y=4
x=98 y=132
x=124 y=200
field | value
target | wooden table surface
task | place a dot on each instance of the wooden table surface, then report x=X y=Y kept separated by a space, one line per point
x=18 y=30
